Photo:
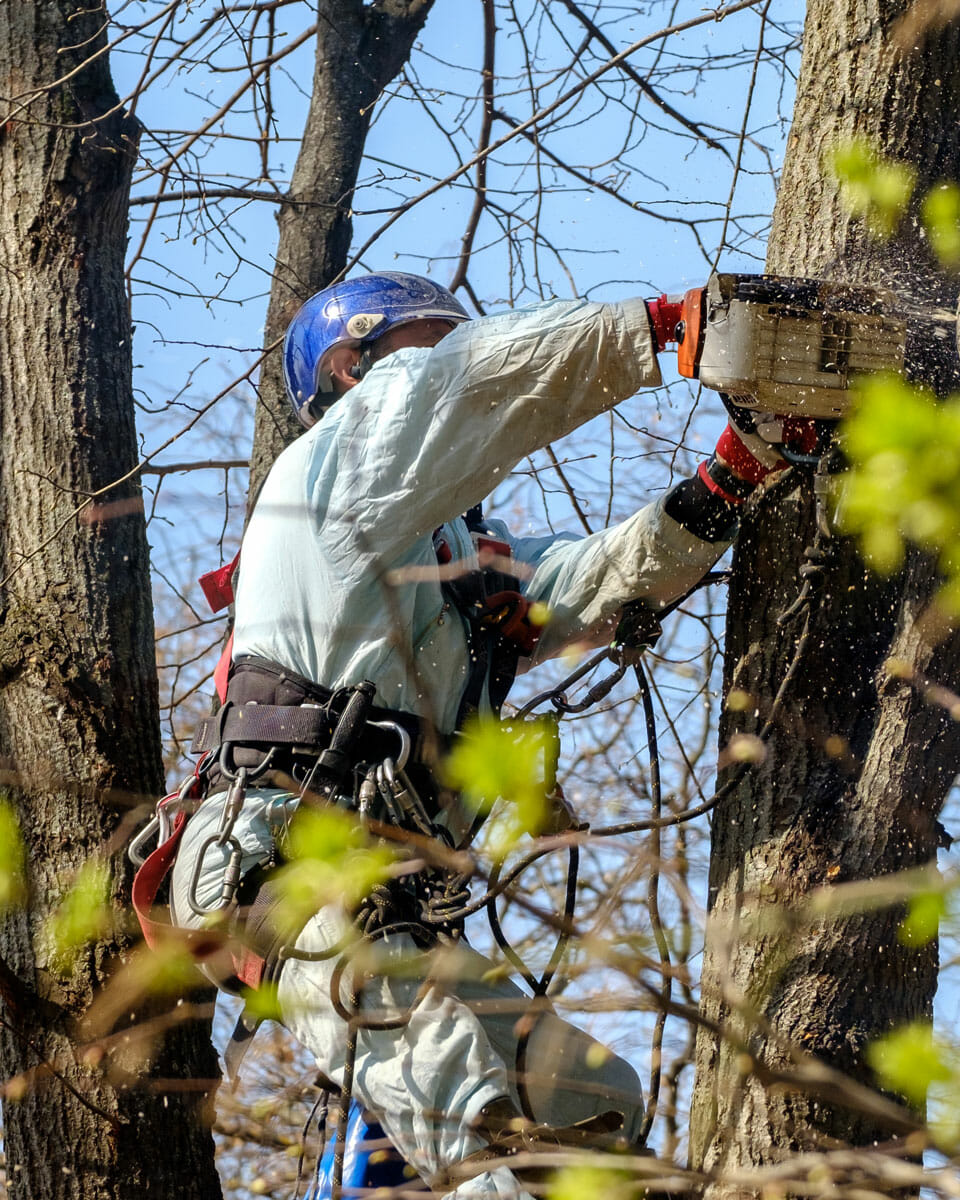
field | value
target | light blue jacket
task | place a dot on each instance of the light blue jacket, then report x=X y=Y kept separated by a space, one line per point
x=338 y=574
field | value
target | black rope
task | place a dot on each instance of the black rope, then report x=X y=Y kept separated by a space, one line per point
x=346 y=1096
x=538 y=1003
x=653 y=904
x=504 y=942
x=566 y=927
x=817 y=558
x=318 y=1111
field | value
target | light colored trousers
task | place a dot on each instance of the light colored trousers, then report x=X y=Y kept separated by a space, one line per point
x=427 y=1081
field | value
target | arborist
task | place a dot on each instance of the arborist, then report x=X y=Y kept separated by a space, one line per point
x=376 y=606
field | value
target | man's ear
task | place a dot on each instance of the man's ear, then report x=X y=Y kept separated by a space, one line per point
x=339 y=366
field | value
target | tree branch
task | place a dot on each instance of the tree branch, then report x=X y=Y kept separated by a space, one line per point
x=595 y=32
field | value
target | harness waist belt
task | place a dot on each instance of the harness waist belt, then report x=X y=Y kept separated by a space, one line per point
x=268 y=705
x=264 y=724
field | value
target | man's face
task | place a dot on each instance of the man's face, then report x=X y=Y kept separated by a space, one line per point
x=414 y=333
x=342 y=360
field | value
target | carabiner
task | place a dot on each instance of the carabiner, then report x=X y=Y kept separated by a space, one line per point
x=401 y=798
x=232 y=806
x=229 y=883
x=135 y=849
x=252 y=773
x=161 y=823
x=598 y=692
x=405 y=744
x=385 y=779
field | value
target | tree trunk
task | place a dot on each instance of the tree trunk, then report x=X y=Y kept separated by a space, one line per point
x=858 y=764
x=360 y=48
x=79 y=724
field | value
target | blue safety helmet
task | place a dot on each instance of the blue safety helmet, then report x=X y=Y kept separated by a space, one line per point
x=353 y=313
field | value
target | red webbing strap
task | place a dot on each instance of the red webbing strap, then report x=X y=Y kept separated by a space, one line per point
x=218 y=588
x=147 y=881
x=218 y=585
x=247 y=966
x=221 y=673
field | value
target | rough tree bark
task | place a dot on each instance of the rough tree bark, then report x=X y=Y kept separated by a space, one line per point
x=858 y=765
x=360 y=48
x=79 y=723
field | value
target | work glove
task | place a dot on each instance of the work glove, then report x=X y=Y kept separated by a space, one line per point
x=665 y=313
x=761 y=435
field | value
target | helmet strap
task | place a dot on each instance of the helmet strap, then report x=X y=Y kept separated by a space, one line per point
x=364 y=363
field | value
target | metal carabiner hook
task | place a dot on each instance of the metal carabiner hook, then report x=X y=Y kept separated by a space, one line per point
x=161 y=823
x=598 y=692
x=135 y=849
x=229 y=883
x=385 y=780
x=232 y=806
x=252 y=773
x=405 y=743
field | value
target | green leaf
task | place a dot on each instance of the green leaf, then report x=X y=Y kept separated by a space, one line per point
x=168 y=969
x=12 y=859
x=904 y=479
x=327 y=835
x=909 y=1060
x=872 y=187
x=922 y=922
x=883 y=548
x=494 y=761
x=263 y=1002
x=85 y=913
x=332 y=859
x=593 y=1183
x=941 y=218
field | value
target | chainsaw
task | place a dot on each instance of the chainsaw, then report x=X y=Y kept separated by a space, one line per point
x=779 y=347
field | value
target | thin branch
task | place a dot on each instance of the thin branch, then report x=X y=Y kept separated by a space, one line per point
x=598 y=34
x=213 y=464
x=486 y=126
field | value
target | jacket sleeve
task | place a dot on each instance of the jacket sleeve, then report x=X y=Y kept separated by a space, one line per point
x=585 y=581
x=430 y=432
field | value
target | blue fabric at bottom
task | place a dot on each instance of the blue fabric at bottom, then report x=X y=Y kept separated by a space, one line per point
x=369 y=1162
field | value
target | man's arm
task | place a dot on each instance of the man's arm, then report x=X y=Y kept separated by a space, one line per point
x=657 y=555
x=431 y=431
x=585 y=582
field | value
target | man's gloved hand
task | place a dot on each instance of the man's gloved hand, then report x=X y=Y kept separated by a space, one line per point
x=737 y=447
x=761 y=433
x=666 y=313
